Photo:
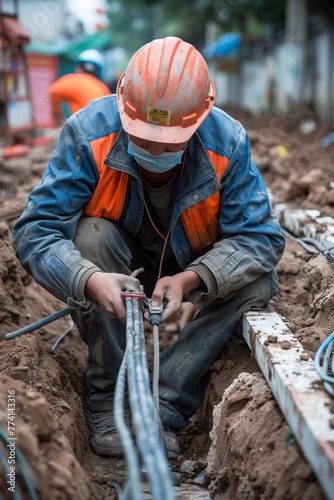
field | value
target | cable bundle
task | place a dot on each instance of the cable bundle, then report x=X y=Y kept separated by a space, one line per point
x=149 y=449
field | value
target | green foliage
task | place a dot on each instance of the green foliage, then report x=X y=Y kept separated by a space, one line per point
x=131 y=25
x=188 y=19
x=235 y=14
x=267 y=12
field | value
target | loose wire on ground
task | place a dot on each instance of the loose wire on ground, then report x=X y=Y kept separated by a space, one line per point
x=311 y=245
x=62 y=336
x=39 y=323
x=22 y=466
x=324 y=363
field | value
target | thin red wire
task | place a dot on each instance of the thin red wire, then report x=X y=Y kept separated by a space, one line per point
x=165 y=238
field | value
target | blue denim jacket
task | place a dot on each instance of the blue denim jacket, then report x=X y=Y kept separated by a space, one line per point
x=250 y=244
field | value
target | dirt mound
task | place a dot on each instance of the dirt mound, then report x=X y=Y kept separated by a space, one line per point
x=254 y=458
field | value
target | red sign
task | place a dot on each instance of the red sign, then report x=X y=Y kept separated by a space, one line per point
x=42 y=71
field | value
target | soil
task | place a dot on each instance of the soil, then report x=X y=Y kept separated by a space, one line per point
x=260 y=460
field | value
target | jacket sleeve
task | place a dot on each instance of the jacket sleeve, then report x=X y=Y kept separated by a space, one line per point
x=251 y=242
x=43 y=235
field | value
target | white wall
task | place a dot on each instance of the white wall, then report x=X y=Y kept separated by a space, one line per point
x=288 y=77
x=254 y=85
x=321 y=74
x=43 y=19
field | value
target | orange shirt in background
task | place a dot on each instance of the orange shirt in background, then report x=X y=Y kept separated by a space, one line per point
x=77 y=90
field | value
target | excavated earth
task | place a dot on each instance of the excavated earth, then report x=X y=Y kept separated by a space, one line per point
x=258 y=456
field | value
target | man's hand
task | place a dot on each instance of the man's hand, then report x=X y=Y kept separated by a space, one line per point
x=171 y=289
x=106 y=289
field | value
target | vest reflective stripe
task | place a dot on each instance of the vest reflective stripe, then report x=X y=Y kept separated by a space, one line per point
x=108 y=198
x=200 y=221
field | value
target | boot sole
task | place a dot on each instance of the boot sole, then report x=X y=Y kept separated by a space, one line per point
x=105 y=452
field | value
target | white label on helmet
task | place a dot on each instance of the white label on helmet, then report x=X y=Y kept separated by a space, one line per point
x=160 y=116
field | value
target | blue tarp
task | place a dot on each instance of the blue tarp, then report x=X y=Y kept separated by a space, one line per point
x=226 y=45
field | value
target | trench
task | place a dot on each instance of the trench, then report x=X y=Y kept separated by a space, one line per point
x=188 y=481
x=112 y=474
x=256 y=456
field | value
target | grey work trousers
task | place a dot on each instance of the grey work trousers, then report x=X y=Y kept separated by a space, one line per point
x=184 y=365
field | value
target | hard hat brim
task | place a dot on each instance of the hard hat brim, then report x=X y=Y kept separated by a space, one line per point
x=170 y=134
x=157 y=133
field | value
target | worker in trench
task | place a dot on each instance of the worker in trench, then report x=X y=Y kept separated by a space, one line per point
x=154 y=176
x=74 y=91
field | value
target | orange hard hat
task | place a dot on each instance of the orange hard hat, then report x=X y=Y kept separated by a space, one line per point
x=165 y=92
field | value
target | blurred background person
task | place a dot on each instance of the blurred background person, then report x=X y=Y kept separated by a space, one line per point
x=77 y=89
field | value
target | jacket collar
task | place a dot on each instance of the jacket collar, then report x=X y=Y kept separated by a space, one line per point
x=118 y=156
x=198 y=167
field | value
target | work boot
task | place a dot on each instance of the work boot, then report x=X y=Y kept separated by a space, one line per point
x=103 y=435
x=171 y=442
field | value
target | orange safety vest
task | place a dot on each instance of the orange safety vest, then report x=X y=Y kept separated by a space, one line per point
x=200 y=221
x=77 y=90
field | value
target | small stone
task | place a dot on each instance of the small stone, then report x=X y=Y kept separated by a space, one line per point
x=187 y=467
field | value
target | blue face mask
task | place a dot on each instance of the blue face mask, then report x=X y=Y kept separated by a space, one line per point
x=156 y=164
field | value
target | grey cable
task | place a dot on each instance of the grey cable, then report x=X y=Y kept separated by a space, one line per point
x=151 y=450
x=132 y=489
x=156 y=369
